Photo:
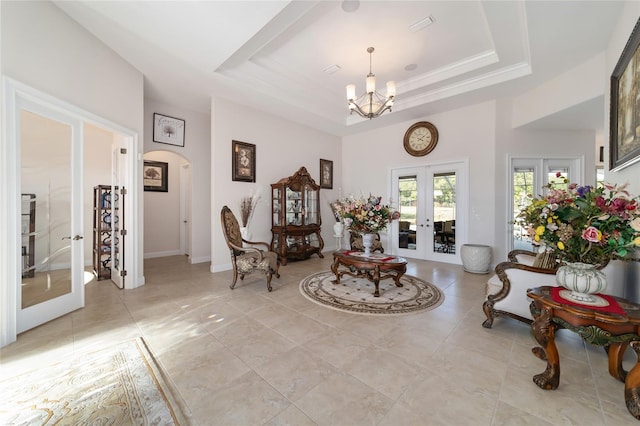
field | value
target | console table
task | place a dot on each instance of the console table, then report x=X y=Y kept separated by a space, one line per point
x=374 y=267
x=614 y=331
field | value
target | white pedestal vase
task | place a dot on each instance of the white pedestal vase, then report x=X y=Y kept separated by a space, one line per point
x=244 y=232
x=367 y=242
x=338 y=230
x=582 y=279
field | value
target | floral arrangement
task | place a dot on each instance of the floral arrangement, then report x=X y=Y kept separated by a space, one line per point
x=365 y=215
x=247 y=207
x=584 y=224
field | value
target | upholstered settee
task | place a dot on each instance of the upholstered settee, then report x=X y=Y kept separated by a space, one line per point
x=506 y=291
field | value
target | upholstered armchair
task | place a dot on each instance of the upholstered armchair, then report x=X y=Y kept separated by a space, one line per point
x=246 y=260
x=506 y=291
x=355 y=242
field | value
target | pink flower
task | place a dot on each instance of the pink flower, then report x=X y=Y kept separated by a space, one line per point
x=592 y=234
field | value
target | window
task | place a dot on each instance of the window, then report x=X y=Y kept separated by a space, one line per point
x=528 y=177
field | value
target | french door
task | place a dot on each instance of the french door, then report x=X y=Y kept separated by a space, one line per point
x=51 y=281
x=431 y=201
x=529 y=176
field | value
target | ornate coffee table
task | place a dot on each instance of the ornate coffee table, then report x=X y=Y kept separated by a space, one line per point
x=374 y=267
x=614 y=331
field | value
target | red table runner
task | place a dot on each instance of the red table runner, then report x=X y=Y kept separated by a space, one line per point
x=613 y=308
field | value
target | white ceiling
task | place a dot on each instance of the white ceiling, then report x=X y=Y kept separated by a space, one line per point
x=270 y=55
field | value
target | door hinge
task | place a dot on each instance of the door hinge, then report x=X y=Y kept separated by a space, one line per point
x=123 y=273
x=123 y=191
x=123 y=232
x=123 y=150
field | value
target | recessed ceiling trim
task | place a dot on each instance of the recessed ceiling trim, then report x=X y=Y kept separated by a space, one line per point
x=455 y=69
x=489 y=79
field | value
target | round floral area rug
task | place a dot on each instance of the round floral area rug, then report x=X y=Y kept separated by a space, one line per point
x=356 y=294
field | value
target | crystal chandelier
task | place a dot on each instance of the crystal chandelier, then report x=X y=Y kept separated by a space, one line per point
x=371 y=104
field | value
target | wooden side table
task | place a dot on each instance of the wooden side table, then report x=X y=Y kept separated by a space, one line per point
x=612 y=331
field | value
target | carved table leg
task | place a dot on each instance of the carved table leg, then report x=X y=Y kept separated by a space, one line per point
x=616 y=353
x=334 y=269
x=376 y=281
x=544 y=333
x=632 y=385
x=399 y=275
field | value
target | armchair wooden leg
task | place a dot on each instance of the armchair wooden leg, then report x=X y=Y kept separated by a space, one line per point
x=269 y=281
x=235 y=278
x=488 y=311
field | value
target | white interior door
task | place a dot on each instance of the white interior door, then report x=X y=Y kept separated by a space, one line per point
x=432 y=221
x=118 y=195
x=52 y=240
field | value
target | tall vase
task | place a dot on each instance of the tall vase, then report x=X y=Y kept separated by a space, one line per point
x=244 y=232
x=582 y=279
x=367 y=242
x=338 y=229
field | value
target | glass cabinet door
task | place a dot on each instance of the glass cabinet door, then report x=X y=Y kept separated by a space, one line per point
x=311 y=199
x=294 y=207
x=277 y=208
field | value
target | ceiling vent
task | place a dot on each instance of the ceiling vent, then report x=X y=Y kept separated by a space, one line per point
x=421 y=24
x=331 y=69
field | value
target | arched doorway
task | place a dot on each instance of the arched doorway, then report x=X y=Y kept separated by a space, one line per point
x=167 y=204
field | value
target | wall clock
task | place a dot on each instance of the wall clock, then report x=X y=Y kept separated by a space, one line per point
x=420 y=139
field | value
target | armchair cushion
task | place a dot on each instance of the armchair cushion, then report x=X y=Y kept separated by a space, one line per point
x=248 y=262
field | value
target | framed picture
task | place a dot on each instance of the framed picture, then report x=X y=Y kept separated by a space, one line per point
x=624 y=128
x=169 y=130
x=243 y=161
x=326 y=174
x=156 y=176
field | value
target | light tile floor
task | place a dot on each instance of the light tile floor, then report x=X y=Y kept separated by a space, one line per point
x=250 y=357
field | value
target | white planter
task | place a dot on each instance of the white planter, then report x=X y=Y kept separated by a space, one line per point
x=476 y=258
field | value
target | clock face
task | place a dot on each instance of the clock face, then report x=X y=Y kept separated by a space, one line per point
x=420 y=139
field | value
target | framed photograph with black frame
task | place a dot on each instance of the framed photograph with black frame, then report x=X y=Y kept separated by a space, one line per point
x=169 y=130
x=156 y=176
x=326 y=174
x=624 y=127
x=243 y=161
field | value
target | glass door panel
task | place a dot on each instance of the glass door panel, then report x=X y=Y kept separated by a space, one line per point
x=444 y=212
x=46 y=177
x=407 y=206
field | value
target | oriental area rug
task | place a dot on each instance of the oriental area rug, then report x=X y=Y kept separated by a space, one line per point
x=355 y=294
x=121 y=385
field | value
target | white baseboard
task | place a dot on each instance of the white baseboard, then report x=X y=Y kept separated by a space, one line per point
x=203 y=259
x=162 y=254
x=220 y=268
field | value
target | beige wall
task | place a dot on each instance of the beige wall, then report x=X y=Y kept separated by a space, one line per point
x=282 y=147
x=197 y=153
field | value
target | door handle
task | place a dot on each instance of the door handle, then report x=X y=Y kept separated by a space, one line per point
x=76 y=238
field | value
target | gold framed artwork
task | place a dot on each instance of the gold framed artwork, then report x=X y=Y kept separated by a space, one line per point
x=326 y=174
x=624 y=128
x=243 y=160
